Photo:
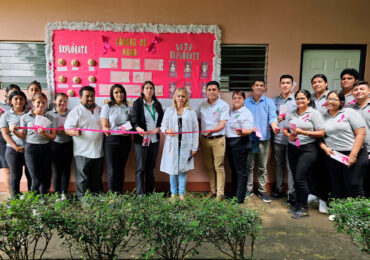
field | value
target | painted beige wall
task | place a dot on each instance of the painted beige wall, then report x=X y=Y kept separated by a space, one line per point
x=284 y=25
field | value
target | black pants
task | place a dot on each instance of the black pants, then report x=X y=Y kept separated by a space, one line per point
x=237 y=149
x=88 y=173
x=116 y=150
x=61 y=165
x=38 y=161
x=16 y=161
x=347 y=182
x=301 y=161
x=319 y=181
x=367 y=182
x=146 y=157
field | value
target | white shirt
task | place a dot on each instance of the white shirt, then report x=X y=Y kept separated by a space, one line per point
x=239 y=119
x=211 y=115
x=89 y=144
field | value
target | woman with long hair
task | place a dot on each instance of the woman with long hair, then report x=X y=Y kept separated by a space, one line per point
x=115 y=115
x=303 y=127
x=345 y=133
x=37 y=148
x=15 y=146
x=5 y=106
x=179 y=149
x=146 y=118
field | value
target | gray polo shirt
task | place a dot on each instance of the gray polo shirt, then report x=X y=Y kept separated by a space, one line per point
x=116 y=115
x=59 y=122
x=211 y=115
x=149 y=122
x=32 y=137
x=349 y=100
x=4 y=106
x=339 y=129
x=8 y=119
x=286 y=106
x=310 y=120
x=365 y=113
x=320 y=104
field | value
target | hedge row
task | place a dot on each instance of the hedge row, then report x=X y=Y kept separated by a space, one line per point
x=106 y=225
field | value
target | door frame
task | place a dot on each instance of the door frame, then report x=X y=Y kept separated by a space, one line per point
x=361 y=47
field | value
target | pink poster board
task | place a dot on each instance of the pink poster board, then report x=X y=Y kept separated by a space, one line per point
x=169 y=59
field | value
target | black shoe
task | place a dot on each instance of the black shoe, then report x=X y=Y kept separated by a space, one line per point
x=301 y=213
x=277 y=195
x=291 y=199
x=263 y=196
x=293 y=209
x=228 y=197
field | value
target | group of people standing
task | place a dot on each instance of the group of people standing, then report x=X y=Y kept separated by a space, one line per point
x=307 y=131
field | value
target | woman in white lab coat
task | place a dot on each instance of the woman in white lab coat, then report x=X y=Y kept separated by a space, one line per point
x=179 y=149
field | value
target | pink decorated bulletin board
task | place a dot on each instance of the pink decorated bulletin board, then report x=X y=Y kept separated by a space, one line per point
x=104 y=54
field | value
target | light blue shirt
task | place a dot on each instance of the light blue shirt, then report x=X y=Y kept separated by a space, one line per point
x=264 y=113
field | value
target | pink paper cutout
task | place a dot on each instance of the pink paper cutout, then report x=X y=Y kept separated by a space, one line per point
x=258 y=133
x=283 y=115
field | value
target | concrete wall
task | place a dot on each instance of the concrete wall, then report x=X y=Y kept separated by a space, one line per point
x=284 y=25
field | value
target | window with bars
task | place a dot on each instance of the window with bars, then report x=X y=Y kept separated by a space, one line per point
x=22 y=63
x=241 y=65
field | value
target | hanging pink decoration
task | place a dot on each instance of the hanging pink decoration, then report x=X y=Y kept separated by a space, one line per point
x=153 y=46
x=107 y=45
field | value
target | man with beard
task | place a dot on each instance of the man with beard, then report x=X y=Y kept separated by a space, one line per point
x=87 y=145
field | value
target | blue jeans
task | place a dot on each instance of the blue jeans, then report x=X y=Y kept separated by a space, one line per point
x=181 y=178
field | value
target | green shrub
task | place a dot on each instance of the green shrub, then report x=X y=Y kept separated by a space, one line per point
x=170 y=228
x=26 y=226
x=352 y=216
x=98 y=227
x=228 y=227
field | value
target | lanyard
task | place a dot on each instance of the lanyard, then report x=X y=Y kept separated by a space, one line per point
x=150 y=112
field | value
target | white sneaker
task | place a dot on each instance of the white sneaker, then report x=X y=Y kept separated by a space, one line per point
x=331 y=217
x=323 y=207
x=63 y=197
x=312 y=198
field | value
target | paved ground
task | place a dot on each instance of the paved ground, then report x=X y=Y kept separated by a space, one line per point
x=283 y=237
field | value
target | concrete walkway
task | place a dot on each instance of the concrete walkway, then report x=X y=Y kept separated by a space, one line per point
x=283 y=237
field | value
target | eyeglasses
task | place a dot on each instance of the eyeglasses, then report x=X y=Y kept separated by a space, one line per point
x=300 y=99
x=332 y=99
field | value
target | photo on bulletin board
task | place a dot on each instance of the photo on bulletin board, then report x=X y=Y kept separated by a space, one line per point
x=104 y=54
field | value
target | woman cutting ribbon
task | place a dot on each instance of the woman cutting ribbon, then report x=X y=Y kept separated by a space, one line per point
x=146 y=118
x=179 y=149
x=115 y=116
x=305 y=124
